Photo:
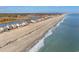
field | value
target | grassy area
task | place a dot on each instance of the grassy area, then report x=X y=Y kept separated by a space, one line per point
x=5 y=18
x=6 y=21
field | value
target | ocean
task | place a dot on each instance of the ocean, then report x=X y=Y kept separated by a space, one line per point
x=65 y=38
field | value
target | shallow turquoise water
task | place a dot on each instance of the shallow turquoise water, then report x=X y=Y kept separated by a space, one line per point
x=65 y=38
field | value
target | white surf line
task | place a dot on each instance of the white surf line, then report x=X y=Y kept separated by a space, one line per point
x=40 y=44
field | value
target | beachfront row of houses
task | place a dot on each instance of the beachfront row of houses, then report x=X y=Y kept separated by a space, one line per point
x=21 y=24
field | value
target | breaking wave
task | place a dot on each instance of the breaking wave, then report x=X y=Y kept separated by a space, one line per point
x=40 y=44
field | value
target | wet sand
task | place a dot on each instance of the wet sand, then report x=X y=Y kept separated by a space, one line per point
x=22 y=39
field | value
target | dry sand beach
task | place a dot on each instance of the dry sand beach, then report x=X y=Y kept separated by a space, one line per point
x=24 y=38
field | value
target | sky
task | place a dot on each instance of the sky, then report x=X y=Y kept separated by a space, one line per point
x=39 y=9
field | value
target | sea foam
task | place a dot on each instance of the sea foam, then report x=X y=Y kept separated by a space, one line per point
x=40 y=44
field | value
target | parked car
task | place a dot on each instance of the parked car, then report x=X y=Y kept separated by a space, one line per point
x=9 y=27
x=18 y=25
x=1 y=29
x=14 y=26
x=33 y=21
x=24 y=23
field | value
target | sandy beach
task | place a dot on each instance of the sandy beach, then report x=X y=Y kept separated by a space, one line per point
x=23 y=38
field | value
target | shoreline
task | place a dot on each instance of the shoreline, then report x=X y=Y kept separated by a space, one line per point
x=40 y=43
x=24 y=42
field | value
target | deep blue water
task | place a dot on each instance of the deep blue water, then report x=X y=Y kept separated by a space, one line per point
x=65 y=38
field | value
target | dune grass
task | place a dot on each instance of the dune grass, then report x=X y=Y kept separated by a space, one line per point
x=6 y=21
